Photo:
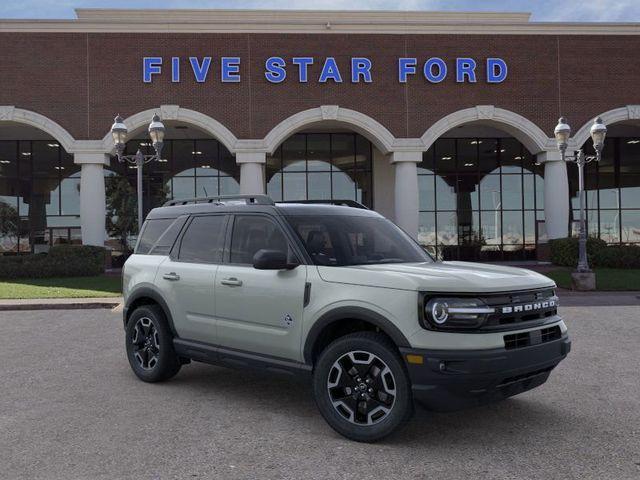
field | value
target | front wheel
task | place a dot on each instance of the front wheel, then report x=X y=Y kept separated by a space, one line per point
x=362 y=388
x=149 y=345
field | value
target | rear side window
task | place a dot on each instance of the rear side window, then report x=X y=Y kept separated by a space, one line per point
x=153 y=229
x=203 y=241
x=168 y=238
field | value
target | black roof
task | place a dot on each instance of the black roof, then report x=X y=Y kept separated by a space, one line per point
x=233 y=204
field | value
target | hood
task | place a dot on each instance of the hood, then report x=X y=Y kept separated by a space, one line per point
x=455 y=277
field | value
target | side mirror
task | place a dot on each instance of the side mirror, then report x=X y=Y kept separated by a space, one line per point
x=272 y=260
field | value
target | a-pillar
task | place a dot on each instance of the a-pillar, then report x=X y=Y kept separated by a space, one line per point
x=251 y=172
x=93 y=208
x=556 y=194
x=406 y=190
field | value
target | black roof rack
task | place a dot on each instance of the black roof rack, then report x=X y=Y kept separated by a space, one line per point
x=344 y=203
x=222 y=200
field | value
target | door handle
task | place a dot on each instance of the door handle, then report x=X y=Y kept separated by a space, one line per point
x=231 y=282
x=173 y=276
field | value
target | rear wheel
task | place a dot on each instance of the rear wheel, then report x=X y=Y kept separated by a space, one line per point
x=362 y=388
x=149 y=345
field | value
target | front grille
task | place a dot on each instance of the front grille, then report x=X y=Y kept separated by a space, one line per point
x=519 y=308
x=534 y=337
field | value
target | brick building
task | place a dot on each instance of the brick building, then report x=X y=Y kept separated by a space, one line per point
x=441 y=121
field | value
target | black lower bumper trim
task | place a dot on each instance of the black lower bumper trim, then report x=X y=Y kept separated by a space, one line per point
x=451 y=380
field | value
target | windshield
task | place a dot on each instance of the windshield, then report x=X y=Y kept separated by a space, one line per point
x=342 y=240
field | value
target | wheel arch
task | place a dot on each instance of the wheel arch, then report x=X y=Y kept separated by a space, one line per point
x=147 y=296
x=337 y=323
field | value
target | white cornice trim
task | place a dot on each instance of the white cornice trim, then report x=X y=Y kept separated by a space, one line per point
x=309 y=21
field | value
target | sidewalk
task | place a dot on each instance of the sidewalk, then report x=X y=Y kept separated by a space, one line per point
x=570 y=298
x=59 y=303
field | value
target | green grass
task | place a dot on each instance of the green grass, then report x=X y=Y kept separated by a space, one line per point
x=71 y=287
x=610 y=279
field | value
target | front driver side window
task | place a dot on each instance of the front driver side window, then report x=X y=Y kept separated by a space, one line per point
x=252 y=233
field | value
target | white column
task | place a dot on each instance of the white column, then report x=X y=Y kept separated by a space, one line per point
x=556 y=194
x=251 y=172
x=93 y=208
x=406 y=190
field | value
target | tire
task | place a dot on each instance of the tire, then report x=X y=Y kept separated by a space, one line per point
x=149 y=345
x=370 y=402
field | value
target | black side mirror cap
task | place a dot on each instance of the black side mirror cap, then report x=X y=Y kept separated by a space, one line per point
x=272 y=260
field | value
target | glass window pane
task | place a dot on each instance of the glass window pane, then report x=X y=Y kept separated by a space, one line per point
x=447 y=228
x=274 y=187
x=363 y=153
x=512 y=230
x=8 y=159
x=183 y=158
x=206 y=157
x=631 y=226
x=318 y=152
x=488 y=155
x=630 y=195
x=490 y=192
x=344 y=187
x=426 y=166
x=183 y=187
x=512 y=192
x=467 y=155
x=539 y=192
x=528 y=191
x=427 y=228
x=529 y=227
x=253 y=233
x=152 y=231
x=229 y=186
x=274 y=163
x=206 y=186
x=343 y=151
x=46 y=162
x=204 y=240
x=629 y=156
x=445 y=194
x=294 y=186
x=70 y=196
x=363 y=182
x=610 y=226
x=511 y=155
x=491 y=224
x=467 y=192
x=293 y=153
x=228 y=164
x=320 y=186
x=445 y=156
x=426 y=189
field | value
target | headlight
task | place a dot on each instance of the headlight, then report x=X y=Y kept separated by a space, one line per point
x=456 y=312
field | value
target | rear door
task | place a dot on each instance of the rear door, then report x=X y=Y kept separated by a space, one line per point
x=259 y=310
x=187 y=277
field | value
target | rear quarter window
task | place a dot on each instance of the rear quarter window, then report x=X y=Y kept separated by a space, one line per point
x=158 y=235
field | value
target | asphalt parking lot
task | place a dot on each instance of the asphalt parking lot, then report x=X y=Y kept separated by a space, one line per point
x=70 y=408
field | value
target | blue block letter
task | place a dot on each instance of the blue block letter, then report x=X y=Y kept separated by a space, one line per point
x=303 y=66
x=200 y=71
x=465 y=67
x=428 y=70
x=330 y=71
x=175 y=69
x=230 y=69
x=275 y=69
x=406 y=66
x=150 y=66
x=360 y=66
x=496 y=70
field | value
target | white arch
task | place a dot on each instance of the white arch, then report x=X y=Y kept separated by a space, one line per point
x=382 y=138
x=177 y=113
x=630 y=112
x=9 y=113
x=527 y=132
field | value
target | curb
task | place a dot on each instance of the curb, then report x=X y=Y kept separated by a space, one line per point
x=8 y=307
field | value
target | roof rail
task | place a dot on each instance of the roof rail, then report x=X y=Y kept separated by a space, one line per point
x=222 y=199
x=344 y=203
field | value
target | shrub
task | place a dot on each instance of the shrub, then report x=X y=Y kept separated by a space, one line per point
x=61 y=261
x=564 y=252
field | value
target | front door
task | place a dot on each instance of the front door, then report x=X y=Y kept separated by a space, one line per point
x=259 y=310
x=187 y=279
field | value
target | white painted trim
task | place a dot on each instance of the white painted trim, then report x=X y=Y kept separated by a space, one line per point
x=531 y=136
x=356 y=121
x=177 y=113
x=9 y=113
x=629 y=112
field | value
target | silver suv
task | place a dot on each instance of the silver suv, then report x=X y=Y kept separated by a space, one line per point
x=338 y=293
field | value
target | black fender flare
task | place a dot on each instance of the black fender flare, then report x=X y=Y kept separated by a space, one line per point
x=351 y=313
x=153 y=294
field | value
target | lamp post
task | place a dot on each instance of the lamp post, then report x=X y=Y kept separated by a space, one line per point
x=562 y=133
x=119 y=133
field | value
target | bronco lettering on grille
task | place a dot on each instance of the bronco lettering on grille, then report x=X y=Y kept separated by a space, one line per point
x=529 y=307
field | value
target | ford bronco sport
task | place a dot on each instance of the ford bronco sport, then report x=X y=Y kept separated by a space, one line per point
x=341 y=294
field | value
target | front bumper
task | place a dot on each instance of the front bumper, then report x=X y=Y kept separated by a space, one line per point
x=451 y=380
